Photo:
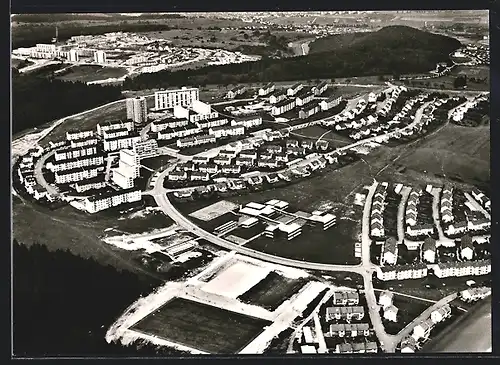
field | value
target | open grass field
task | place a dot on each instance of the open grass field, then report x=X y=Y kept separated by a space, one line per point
x=459 y=153
x=207 y=328
x=273 y=290
x=87 y=121
x=86 y=73
x=438 y=288
x=317 y=131
x=141 y=222
x=409 y=309
x=69 y=229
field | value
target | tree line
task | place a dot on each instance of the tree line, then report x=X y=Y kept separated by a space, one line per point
x=64 y=304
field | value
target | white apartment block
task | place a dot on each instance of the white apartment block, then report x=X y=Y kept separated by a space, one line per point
x=73 y=55
x=464 y=268
x=137 y=109
x=95 y=183
x=88 y=141
x=195 y=141
x=68 y=176
x=330 y=103
x=69 y=153
x=177 y=133
x=212 y=122
x=169 y=123
x=101 y=202
x=169 y=98
x=119 y=124
x=403 y=272
x=92 y=160
x=76 y=134
x=115 y=133
x=283 y=107
x=225 y=131
x=266 y=89
x=146 y=149
x=249 y=121
x=115 y=144
x=100 y=56
x=294 y=89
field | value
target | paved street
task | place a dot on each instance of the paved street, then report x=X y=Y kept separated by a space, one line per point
x=442 y=240
x=405 y=193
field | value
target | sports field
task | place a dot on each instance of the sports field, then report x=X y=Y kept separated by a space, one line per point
x=200 y=326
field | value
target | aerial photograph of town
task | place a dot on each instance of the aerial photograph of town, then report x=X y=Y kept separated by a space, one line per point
x=242 y=183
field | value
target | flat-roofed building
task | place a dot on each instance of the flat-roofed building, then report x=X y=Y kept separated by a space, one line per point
x=167 y=99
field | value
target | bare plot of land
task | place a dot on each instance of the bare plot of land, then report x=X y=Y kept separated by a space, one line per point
x=273 y=290
x=236 y=279
x=201 y=326
x=214 y=211
x=88 y=73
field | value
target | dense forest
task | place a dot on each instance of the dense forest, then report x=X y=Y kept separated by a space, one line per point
x=38 y=100
x=391 y=50
x=64 y=304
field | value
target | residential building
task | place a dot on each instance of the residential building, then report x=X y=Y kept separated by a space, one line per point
x=320 y=88
x=304 y=98
x=408 y=345
x=377 y=230
x=177 y=176
x=73 y=55
x=480 y=224
x=118 y=143
x=441 y=314
x=226 y=131
x=248 y=121
x=345 y=298
x=117 y=124
x=283 y=107
x=235 y=91
x=104 y=201
x=115 y=133
x=168 y=123
x=94 y=183
x=266 y=89
x=137 y=109
x=231 y=169
x=82 y=142
x=456 y=228
x=100 y=57
x=68 y=153
x=167 y=99
x=349 y=330
x=78 y=134
x=208 y=167
x=423 y=329
x=420 y=230
x=309 y=111
x=385 y=299
x=277 y=96
x=322 y=145
x=390 y=251
x=473 y=294
x=199 y=176
x=195 y=141
x=294 y=89
x=212 y=122
x=77 y=162
x=429 y=250
x=466 y=248
x=391 y=313
x=402 y=272
x=222 y=160
x=464 y=268
x=76 y=174
x=146 y=149
x=346 y=313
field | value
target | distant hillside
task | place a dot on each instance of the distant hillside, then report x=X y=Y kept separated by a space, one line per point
x=391 y=50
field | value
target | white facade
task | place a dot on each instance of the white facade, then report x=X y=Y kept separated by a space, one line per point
x=98 y=203
x=72 y=135
x=84 y=161
x=120 y=143
x=100 y=56
x=169 y=98
x=70 y=153
x=68 y=176
x=223 y=131
x=146 y=149
x=73 y=55
x=137 y=109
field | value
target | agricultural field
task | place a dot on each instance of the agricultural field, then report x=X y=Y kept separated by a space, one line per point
x=200 y=326
x=273 y=290
x=86 y=73
x=409 y=309
x=478 y=79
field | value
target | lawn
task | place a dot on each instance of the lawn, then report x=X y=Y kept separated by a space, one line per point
x=200 y=326
x=88 y=73
x=87 y=121
x=431 y=287
x=409 y=309
x=143 y=222
x=273 y=290
x=317 y=131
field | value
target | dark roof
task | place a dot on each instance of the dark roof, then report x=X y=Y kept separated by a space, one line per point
x=390 y=245
x=284 y=102
x=466 y=241
x=109 y=194
x=429 y=244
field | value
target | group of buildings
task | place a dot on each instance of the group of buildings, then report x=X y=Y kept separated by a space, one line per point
x=68 y=53
x=422 y=330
